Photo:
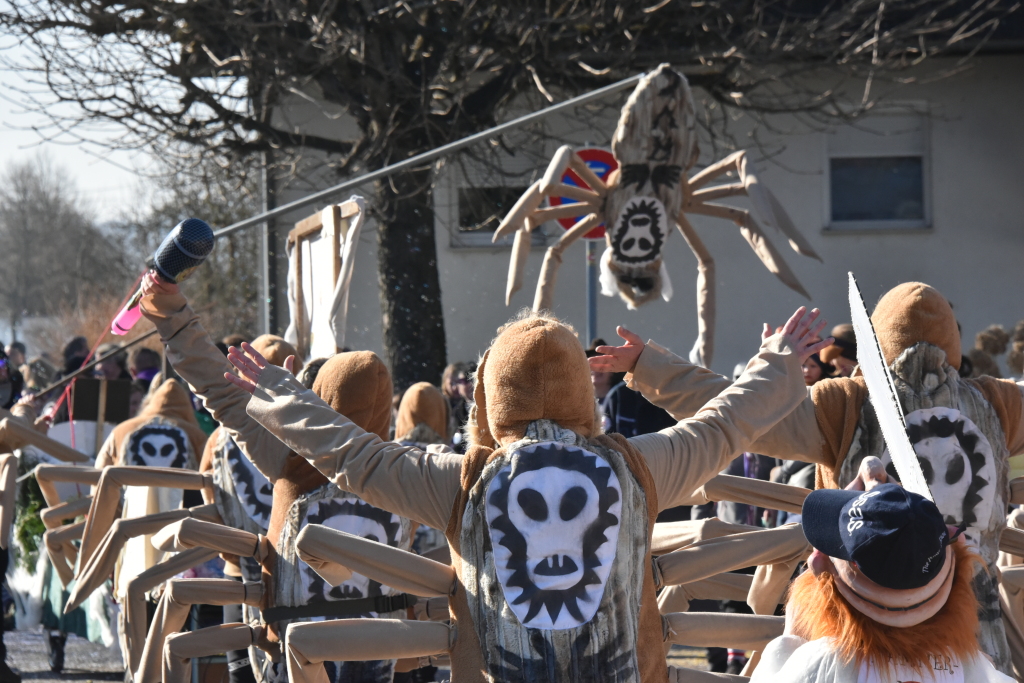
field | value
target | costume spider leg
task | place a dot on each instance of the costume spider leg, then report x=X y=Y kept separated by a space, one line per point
x=62 y=554
x=311 y=644
x=710 y=629
x=93 y=573
x=48 y=475
x=755 y=237
x=57 y=515
x=324 y=549
x=182 y=648
x=173 y=609
x=705 y=343
x=15 y=433
x=8 y=495
x=725 y=586
x=191 y=533
x=766 y=204
x=104 y=507
x=775 y=549
x=133 y=614
x=544 y=298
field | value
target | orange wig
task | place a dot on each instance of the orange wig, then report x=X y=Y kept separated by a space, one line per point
x=820 y=611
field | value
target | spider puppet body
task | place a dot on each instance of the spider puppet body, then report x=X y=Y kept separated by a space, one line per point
x=655 y=145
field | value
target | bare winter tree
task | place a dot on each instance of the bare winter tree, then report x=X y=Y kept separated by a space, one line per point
x=52 y=254
x=414 y=75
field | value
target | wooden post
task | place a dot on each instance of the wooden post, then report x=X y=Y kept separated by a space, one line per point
x=101 y=414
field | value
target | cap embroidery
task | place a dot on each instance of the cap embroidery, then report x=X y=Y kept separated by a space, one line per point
x=856 y=513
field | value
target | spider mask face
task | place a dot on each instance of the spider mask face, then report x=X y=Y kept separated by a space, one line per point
x=355 y=517
x=554 y=519
x=639 y=231
x=957 y=462
x=156 y=445
x=254 y=491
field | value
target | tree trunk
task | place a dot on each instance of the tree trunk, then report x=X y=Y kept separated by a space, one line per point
x=410 y=291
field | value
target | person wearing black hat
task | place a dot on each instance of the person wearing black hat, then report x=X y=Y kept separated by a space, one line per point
x=887 y=597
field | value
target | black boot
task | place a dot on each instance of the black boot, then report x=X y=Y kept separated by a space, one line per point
x=55 y=641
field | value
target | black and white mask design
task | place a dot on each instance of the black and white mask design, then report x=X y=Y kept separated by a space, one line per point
x=254 y=491
x=158 y=445
x=957 y=462
x=553 y=516
x=640 y=231
x=355 y=517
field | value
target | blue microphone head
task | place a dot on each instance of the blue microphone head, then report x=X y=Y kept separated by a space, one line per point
x=183 y=250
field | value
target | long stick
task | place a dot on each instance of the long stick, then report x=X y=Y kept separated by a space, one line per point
x=427 y=156
x=90 y=366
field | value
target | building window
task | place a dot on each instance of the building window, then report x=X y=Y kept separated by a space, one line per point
x=480 y=211
x=878 y=175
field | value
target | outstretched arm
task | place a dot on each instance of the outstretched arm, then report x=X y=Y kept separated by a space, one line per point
x=682 y=388
x=400 y=479
x=193 y=355
x=684 y=456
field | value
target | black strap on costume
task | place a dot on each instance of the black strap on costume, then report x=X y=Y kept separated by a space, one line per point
x=341 y=608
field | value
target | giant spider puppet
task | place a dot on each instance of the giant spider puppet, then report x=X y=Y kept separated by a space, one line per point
x=655 y=144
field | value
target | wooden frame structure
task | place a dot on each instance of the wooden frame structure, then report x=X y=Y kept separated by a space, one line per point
x=331 y=223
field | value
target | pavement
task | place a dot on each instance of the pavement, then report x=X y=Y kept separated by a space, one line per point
x=83 y=661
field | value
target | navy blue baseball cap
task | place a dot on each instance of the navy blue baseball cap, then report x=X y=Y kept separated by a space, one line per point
x=897 y=538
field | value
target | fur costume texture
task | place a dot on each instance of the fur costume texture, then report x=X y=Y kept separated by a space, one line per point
x=169 y=411
x=534 y=392
x=423 y=415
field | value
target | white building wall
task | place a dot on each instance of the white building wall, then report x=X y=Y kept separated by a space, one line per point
x=971 y=252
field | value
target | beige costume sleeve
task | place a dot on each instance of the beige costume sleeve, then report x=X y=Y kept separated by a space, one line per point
x=108 y=453
x=682 y=388
x=684 y=456
x=194 y=357
x=401 y=479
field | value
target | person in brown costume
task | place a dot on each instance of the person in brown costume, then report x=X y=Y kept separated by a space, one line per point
x=963 y=430
x=548 y=520
x=357 y=383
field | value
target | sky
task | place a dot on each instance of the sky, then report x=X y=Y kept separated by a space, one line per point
x=105 y=179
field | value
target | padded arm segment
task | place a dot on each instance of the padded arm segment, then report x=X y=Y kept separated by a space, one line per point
x=720 y=587
x=756 y=492
x=47 y=474
x=181 y=648
x=15 y=434
x=134 y=615
x=310 y=644
x=62 y=553
x=8 y=495
x=194 y=533
x=108 y=494
x=739 y=631
x=174 y=607
x=93 y=573
x=401 y=570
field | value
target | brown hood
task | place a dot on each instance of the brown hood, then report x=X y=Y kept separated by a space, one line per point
x=357 y=384
x=535 y=369
x=422 y=404
x=914 y=312
x=276 y=350
x=170 y=400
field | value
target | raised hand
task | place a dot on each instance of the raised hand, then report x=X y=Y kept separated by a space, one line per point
x=618 y=358
x=250 y=363
x=802 y=331
x=152 y=284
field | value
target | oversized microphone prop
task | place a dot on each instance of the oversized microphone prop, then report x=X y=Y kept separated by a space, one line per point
x=182 y=251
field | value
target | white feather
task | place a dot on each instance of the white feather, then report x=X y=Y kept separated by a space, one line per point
x=666 y=283
x=884 y=398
